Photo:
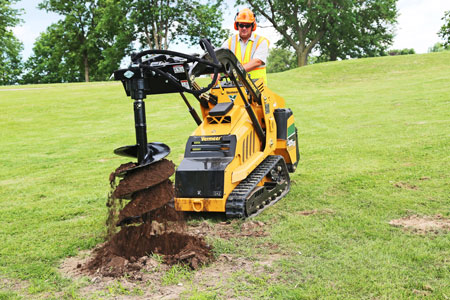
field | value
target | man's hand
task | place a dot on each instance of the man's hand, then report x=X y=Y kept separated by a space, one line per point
x=218 y=78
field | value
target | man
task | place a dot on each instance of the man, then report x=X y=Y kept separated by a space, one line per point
x=250 y=49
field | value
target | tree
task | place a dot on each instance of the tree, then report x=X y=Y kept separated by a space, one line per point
x=10 y=46
x=94 y=36
x=337 y=28
x=52 y=61
x=438 y=47
x=444 y=33
x=280 y=60
x=366 y=31
x=161 y=22
x=90 y=41
x=404 y=51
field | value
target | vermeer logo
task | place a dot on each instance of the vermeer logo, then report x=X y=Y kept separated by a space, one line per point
x=210 y=138
x=232 y=97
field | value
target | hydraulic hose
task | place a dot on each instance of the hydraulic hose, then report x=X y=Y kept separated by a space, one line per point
x=205 y=44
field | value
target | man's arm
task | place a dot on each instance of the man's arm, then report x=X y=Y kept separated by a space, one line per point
x=253 y=64
x=259 y=57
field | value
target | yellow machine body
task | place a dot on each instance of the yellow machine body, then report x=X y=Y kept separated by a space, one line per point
x=238 y=159
x=250 y=150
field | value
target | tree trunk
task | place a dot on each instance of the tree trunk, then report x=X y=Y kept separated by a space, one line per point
x=302 y=58
x=304 y=50
x=86 y=67
x=333 y=56
x=147 y=37
x=156 y=37
x=333 y=48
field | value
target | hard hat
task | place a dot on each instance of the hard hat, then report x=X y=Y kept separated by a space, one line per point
x=245 y=16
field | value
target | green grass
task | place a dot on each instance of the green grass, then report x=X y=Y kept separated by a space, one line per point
x=176 y=274
x=364 y=125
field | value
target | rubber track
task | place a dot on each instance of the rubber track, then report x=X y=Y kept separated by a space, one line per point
x=236 y=202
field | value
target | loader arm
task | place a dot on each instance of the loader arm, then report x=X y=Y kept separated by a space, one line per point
x=239 y=157
x=236 y=72
x=231 y=67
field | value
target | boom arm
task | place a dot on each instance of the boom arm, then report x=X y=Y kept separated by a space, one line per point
x=230 y=66
x=171 y=72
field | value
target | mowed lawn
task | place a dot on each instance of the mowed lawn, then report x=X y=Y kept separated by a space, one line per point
x=374 y=139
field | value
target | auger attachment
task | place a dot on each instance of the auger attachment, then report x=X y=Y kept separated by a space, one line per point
x=146 y=153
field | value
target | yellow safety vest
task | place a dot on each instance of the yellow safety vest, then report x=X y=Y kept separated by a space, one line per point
x=235 y=46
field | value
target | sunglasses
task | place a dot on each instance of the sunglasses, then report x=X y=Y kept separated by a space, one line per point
x=245 y=25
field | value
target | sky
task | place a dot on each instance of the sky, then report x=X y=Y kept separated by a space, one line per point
x=418 y=24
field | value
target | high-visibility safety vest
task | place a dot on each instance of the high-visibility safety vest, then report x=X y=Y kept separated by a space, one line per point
x=235 y=45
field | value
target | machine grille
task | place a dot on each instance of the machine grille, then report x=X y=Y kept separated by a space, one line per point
x=211 y=146
x=219 y=120
x=248 y=146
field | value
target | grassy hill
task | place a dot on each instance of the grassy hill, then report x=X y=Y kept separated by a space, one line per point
x=374 y=143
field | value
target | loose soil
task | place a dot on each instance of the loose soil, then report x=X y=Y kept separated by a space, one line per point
x=153 y=236
x=423 y=224
x=128 y=251
x=146 y=273
x=148 y=280
x=141 y=178
x=227 y=230
x=148 y=224
x=17 y=286
x=148 y=200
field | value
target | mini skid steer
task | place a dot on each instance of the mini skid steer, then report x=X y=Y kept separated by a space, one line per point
x=238 y=159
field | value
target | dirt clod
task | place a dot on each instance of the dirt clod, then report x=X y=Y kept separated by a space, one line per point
x=147 y=200
x=143 y=178
x=119 y=170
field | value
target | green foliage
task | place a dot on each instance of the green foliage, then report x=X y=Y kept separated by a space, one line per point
x=10 y=59
x=365 y=30
x=10 y=46
x=438 y=47
x=94 y=36
x=114 y=36
x=160 y=22
x=88 y=44
x=444 y=33
x=8 y=15
x=280 y=60
x=404 y=51
x=337 y=29
x=203 y=21
x=52 y=61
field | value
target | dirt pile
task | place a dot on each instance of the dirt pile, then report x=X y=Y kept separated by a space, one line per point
x=423 y=224
x=148 y=224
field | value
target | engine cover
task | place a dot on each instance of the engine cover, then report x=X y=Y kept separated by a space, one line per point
x=201 y=173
